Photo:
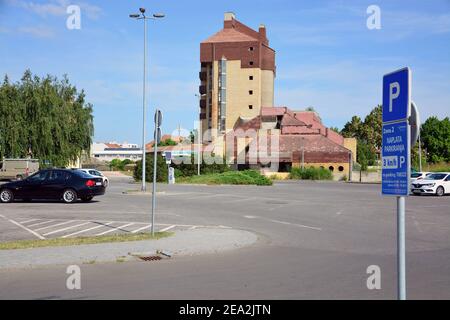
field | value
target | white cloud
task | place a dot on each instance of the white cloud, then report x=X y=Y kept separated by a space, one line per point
x=37 y=31
x=56 y=7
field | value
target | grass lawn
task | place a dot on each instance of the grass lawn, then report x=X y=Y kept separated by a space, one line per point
x=58 y=242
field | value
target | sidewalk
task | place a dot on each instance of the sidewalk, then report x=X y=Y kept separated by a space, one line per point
x=187 y=242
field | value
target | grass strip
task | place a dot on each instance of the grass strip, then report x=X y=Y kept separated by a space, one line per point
x=63 y=242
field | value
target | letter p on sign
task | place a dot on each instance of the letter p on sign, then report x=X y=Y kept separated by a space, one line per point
x=394 y=92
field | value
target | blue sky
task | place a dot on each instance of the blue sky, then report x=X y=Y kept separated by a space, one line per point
x=326 y=56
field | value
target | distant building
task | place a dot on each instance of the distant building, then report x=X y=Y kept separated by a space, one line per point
x=113 y=150
x=237 y=76
x=303 y=141
x=237 y=96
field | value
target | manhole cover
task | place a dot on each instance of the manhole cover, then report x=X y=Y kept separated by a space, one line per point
x=150 y=258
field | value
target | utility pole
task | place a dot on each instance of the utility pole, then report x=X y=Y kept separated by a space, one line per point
x=142 y=16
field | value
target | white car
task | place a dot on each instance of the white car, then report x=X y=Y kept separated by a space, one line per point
x=435 y=183
x=419 y=176
x=97 y=173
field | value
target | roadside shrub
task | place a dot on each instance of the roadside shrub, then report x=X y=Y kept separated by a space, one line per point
x=311 y=173
x=161 y=171
x=247 y=177
x=190 y=169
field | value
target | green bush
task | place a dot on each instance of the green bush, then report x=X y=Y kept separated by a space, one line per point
x=117 y=164
x=189 y=169
x=247 y=177
x=311 y=173
x=161 y=171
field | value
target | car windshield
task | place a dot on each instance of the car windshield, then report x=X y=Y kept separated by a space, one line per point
x=416 y=175
x=39 y=176
x=436 y=176
x=82 y=174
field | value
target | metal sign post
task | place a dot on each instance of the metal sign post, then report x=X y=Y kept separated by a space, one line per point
x=396 y=158
x=157 y=138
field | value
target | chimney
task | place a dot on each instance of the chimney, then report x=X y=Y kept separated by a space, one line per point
x=229 y=20
x=229 y=16
x=262 y=32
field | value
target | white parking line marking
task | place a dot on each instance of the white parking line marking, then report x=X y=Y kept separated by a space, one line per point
x=39 y=223
x=167 y=229
x=115 y=229
x=284 y=222
x=31 y=220
x=140 y=229
x=64 y=229
x=55 y=225
x=23 y=227
x=86 y=230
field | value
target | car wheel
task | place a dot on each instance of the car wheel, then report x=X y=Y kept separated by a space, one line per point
x=6 y=196
x=440 y=191
x=87 y=199
x=106 y=183
x=69 y=196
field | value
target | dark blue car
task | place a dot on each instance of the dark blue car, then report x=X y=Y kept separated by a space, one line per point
x=54 y=184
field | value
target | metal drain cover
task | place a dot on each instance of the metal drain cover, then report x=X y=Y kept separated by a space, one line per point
x=150 y=258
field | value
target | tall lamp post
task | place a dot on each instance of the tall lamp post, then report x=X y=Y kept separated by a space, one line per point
x=199 y=133
x=142 y=16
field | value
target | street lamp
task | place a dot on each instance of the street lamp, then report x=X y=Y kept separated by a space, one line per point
x=142 y=16
x=200 y=142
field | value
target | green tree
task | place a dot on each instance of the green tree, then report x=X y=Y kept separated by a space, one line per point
x=167 y=142
x=335 y=129
x=352 y=129
x=435 y=136
x=366 y=155
x=44 y=118
x=372 y=127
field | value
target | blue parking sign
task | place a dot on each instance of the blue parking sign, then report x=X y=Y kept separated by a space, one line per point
x=395 y=152
x=396 y=95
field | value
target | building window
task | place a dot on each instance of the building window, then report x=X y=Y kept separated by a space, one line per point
x=250 y=78
x=250 y=63
x=250 y=92
x=250 y=49
x=250 y=107
x=222 y=94
x=341 y=168
x=331 y=168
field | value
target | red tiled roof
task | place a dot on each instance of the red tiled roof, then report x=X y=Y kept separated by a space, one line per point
x=229 y=35
x=273 y=111
x=113 y=145
x=289 y=120
x=311 y=143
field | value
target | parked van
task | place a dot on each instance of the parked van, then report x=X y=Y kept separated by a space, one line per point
x=17 y=169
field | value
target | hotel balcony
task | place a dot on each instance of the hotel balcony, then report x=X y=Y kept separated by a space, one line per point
x=202 y=89
x=202 y=75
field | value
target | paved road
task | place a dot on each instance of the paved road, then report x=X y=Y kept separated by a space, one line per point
x=316 y=241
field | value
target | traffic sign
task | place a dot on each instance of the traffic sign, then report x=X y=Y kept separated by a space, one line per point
x=168 y=157
x=414 y=122
x=395 y=152
x=395 y=156
x=396 y=95
x=157 y=135
x=395 y=159
x=158 y=118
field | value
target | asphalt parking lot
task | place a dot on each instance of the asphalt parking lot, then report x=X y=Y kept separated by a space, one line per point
x=316 y=240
